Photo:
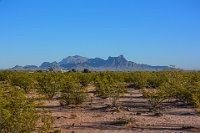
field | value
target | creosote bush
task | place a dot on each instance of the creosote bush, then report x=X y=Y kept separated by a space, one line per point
x=46 y=122
x=48 y=84
x=155 y=97
x=73 y=93
x=18 y=113
x=106 y=87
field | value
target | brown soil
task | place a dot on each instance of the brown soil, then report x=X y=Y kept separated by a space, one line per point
x=94 y=117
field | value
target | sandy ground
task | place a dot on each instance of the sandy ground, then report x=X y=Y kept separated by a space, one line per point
x=91 y=117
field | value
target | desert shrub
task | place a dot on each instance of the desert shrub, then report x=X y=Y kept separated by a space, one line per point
x=156 y=79
x=17 y=113
x=196 y=101
x=104 y=86
x=196 y=96
x=185 y=94
x=85 y=79
x=73 y=93
x=107 y=87
x=48 y=84
x=139 y=80
x=182 y=86
x=5 y=75
x=193 y=86
x=46 y=122
x=23 y=80
x=176 y=86
x=116 y=92
x=118 y=76
x=155 y=97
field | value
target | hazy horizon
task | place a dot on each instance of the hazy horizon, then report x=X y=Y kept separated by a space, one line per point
x=151 y=32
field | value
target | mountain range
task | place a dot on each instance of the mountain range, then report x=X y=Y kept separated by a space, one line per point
x=77 y=62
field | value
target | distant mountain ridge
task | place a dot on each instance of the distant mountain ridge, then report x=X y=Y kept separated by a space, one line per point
x=77 y=62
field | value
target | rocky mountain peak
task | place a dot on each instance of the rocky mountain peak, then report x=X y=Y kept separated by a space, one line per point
x=73 y=60
x=119 y=63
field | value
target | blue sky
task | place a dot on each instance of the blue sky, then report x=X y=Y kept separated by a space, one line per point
x=155 y=32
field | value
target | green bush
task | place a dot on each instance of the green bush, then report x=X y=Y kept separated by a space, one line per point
x=156 y=79
x=107 y=87
x=73 y=93
x=24 y=81
x=85 y=79
x=17 y=113
x=46 y=122
x=5 y=75
x=155 y=97
x=139 y=80
x=48 y=84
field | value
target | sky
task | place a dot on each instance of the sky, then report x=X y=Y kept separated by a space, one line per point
x=155 y=32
